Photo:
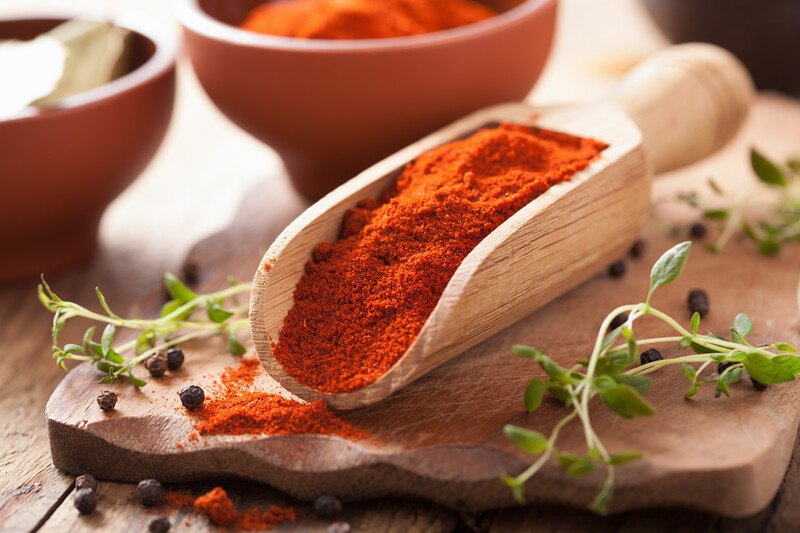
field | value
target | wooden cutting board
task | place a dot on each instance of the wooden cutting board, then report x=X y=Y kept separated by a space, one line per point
x=441 y=438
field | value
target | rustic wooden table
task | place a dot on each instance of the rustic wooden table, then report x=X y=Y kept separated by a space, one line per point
x=194 y=188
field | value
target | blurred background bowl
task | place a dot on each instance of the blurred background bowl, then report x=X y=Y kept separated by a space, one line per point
x=764 y=34
x=332 y=108
x=60 y=167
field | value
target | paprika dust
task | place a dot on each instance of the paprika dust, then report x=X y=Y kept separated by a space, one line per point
x=363 y=299
x=217 y=506
x=362 y=19
x=236 y=409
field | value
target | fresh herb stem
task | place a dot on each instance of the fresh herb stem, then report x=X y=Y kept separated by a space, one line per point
x=612 y=373
x=181 y=320
x=770 y=221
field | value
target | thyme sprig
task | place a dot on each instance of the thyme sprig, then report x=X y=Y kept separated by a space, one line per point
x=187 y=316
x=611 y=373
x=769 y=224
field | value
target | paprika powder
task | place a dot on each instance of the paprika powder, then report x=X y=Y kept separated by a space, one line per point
x=217 y=506
x=236 y=409
x=362 y=19
x=364 y=298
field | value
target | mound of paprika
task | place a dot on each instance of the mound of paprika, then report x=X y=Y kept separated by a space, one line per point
x=364 y=298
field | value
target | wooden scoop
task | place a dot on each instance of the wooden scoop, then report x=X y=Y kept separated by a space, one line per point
x=675 y=108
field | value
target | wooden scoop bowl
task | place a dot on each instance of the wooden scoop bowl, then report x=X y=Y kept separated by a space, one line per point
x=675 y=108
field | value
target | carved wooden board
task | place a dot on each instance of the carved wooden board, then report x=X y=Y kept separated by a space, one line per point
x=441 y=439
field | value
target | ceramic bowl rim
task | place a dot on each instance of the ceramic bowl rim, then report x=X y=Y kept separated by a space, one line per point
x=192 y=17
x=164 y=39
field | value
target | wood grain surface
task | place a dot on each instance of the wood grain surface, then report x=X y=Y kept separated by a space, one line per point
x=32 y=489
x=207 y=159
x=440 y=438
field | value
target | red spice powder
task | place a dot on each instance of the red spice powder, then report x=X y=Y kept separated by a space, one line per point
x=236 y=409
x=362 y=19
x=217 y=506
x=364 y=298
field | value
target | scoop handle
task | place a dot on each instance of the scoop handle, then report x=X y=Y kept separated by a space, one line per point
x=688 y=100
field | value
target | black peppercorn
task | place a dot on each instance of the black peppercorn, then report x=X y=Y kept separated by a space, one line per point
x=159 y=525
x=156 y=365
x=327 y=506
x=698 y=230
x=192 y=397
x=650 y=355
x=85 y=500
x=107 y=400
x=339 y=527
x=149 y=492
x=618 y=321
x=637 y=249
x=698 y=302
x=757 y=384
x=174 y=358
x=617 y=270
x=722 y=367
x=86 y=481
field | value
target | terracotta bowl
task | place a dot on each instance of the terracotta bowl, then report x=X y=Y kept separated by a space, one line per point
x=61 y=167
x=333 y=108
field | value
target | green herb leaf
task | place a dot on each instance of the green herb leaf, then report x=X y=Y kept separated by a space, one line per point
x=517 y=488
x=108 y=379
x=766 y=370
x=581 y=468
x=107 y=338
x=699 y=349
x=234 y=346
x=622 y=458
x=788 y=362
x=669 y=266
x=688 y=371
x=627 y=402
x=216 y=313
x=534 y=393
x=526 y=440
x=785 y=347
x=565 y=459
x=742 y=325
x=559 y=393
x=716 y=214
x=641 y=383
x=526 y=352
x=169 y=307
x=769 y=246
x=556 y=372
x=695 y=322
x=88 y=336
x=766 y=170
x=73 y=348
x=145 y=341
x=103 y=303
x=177 y=289
x=138 y=383
x=114 y=356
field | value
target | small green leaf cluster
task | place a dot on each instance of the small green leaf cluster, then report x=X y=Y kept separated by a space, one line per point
x=612 y=374
x=181 y=319
x=780 y=225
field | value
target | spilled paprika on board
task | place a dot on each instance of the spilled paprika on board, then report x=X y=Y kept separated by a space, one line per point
x=364 y=298
x=235 y=408
x=362 y=19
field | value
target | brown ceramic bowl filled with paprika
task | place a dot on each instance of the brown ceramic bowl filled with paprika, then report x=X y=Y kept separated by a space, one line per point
x=331 y=108
x=62 y=165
